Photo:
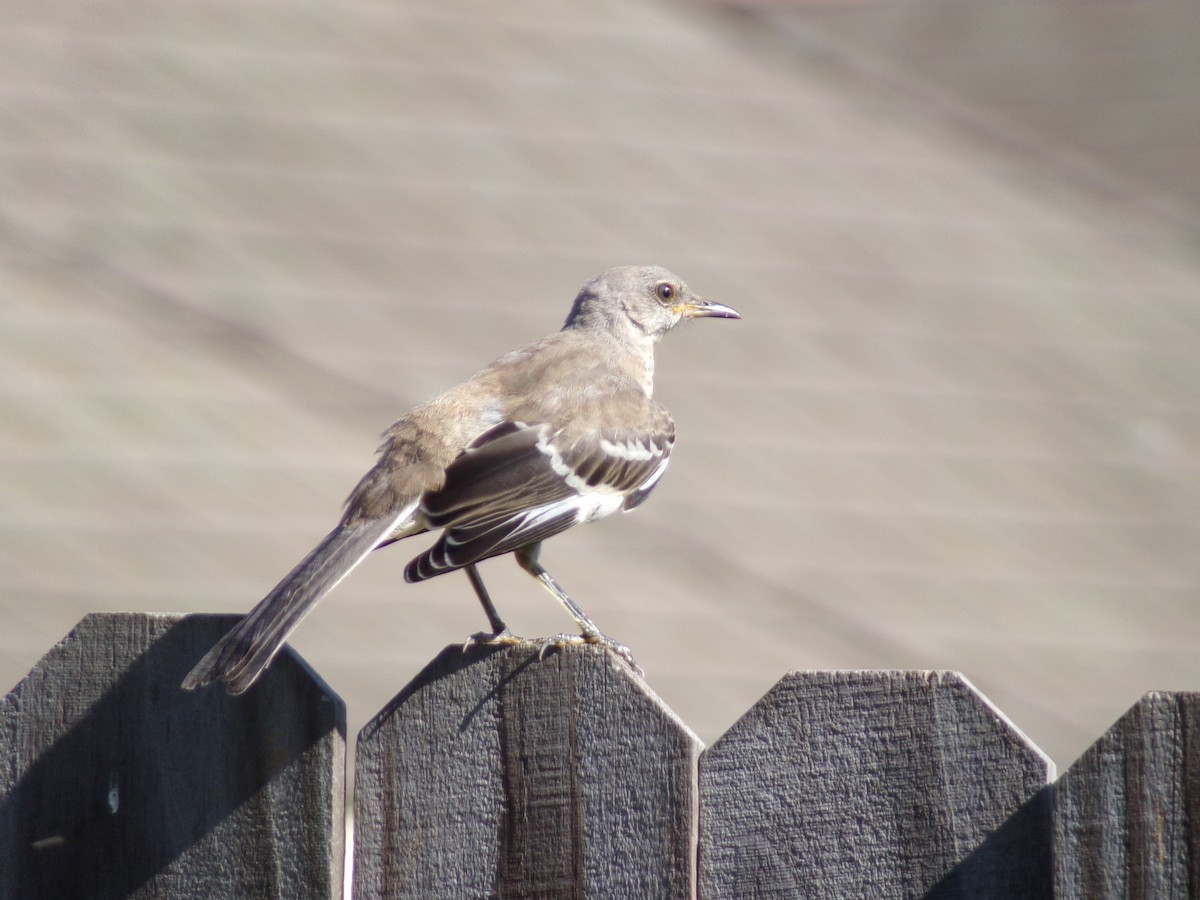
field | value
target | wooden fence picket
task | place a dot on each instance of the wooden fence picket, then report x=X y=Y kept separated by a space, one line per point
x=495 y=773
x=1127 y=813
x=875 y=785
x=115 y=782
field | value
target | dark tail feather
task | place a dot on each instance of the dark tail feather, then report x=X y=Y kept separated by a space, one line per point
x=240 y=657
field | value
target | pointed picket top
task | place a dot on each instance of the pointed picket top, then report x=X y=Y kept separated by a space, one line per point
x=116 y=782
x=1126 y=812
x=874 y=783
x=496 y=772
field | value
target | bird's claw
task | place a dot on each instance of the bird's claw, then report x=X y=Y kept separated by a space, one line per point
x=625 y=655
x=502 y=638
x=556 y=641
x=597 y=638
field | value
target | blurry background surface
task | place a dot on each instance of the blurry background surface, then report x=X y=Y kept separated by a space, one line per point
x=957 y=427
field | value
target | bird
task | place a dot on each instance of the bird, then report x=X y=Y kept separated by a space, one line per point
x=560 y=431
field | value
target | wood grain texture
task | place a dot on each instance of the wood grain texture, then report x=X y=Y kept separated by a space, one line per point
x=874 y=785
x=115 y=782
x=496 y=774
x=1127 y=813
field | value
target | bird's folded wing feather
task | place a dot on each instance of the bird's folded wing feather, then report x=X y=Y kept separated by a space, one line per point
x=518 y=484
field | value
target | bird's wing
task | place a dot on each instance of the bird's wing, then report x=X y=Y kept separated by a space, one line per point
x=518 y=484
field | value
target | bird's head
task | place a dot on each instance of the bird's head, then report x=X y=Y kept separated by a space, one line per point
x=648 y=298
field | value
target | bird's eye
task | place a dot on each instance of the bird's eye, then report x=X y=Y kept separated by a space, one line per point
x=665 y=292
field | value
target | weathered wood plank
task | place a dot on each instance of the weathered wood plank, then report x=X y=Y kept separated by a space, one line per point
x=874 y=785
x=114 y=782
x=495 y=773
x=1127 y=813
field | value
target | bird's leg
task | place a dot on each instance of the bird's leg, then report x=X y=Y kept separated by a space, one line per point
x=527 y=559
x=500 y=633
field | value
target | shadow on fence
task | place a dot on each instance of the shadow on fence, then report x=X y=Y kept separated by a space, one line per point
x=498 y=774
x=116 y=783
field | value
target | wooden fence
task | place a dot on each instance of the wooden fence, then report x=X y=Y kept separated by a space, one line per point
x=495 y=774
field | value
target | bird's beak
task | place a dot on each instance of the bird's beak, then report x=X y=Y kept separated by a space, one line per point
x=695 y=308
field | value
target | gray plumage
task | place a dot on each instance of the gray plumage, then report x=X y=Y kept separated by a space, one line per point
x=560 y=431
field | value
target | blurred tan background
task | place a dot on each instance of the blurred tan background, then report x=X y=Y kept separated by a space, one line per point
x=957 y=427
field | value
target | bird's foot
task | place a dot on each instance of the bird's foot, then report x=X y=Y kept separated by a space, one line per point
x=556 y=641
x=502 y=638
x=599 y=638
x=506 y=638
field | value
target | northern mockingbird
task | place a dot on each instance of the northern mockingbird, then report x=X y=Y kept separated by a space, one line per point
x=560 y=431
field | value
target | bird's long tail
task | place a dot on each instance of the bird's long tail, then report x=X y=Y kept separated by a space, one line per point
x=242 y=654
